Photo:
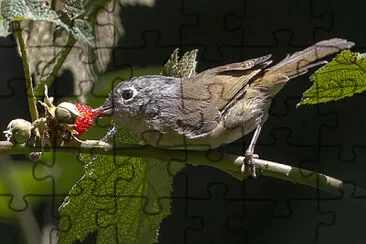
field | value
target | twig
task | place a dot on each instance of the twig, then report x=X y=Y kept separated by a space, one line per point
x=57 y=64
x=226 y=162
x=90 y=8
x=32 y=101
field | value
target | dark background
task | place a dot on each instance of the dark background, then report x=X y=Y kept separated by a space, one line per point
x=326 y=138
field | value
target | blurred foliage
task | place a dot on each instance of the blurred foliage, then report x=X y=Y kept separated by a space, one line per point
x=40 y=181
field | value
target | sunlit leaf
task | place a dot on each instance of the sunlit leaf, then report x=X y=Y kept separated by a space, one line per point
x=123 y=199
x=181 y=67
x=343 y=77
x=35 y=10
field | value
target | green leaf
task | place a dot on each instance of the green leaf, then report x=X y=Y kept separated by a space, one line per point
x=18 y=10
x=8 y=10
x=181 y=68
x=75 y=6
x=83 y=31
x=123 y=199
x=4 y=27
x=54 y=175
x=343 y=77
x=12 y=8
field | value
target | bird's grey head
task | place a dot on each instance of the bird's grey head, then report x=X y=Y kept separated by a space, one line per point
x=141 y=97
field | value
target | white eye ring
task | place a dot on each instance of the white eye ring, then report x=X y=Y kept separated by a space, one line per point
x=128 y=93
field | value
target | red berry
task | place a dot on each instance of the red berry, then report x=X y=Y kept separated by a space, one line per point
x=82 y=124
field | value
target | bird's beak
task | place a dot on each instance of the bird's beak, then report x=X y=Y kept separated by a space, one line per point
x=104 y=111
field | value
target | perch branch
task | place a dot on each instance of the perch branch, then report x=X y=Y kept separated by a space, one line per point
x=226 y=162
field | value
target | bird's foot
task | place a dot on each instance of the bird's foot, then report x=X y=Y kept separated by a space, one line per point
x=248 y=162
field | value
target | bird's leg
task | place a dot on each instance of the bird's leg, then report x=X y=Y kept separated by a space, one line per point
x=249 y=153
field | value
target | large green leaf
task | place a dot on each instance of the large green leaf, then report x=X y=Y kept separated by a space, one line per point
x=35 y=10
x=123 y=199
x=343 y=77
x=17 y=10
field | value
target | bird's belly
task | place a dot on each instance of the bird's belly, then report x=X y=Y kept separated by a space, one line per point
x=218 y=137
x=240 y=120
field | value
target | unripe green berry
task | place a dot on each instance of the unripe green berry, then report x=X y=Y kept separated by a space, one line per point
x=35 y=156
x=66 y=113
x=18 y=131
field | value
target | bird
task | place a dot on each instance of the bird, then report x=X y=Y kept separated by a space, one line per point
x=214 y=107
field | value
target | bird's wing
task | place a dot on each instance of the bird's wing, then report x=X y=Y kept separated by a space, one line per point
x=208 y=93
x=221 y=85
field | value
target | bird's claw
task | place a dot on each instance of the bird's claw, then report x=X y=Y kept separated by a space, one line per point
x=248 y=161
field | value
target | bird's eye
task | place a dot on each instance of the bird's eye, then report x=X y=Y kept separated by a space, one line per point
x=127 y=94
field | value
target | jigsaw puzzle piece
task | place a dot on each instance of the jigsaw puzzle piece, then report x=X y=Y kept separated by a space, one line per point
x=169 y=34
x=296 y=121
x=42 y=184
x=271 y=211
x=258 y=22
x=12 y=85
x=176 y=226
x=210 y=33
x=291 y=153
x=306 y=217
x=214 y=226
x=25 y=190
x=340 y=17
x=136 y=55
x=13 y=88
x=138 y=203
x=112 y=204
x=348 y=217
x=343 y=134
x=64 y=169
x=333 y=166
x=79 y=203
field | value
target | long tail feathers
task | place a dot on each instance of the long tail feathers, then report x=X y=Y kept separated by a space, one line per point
x=298 y=63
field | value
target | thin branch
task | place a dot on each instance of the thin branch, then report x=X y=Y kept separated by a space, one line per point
x=32 y=101
x=226 y=162
x=27 y=220
x=90 y=9
x=57 y=64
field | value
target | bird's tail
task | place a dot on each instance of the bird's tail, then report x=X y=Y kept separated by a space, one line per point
x=300 y=62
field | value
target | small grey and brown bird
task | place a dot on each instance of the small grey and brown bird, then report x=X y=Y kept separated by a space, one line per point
x=214 y=107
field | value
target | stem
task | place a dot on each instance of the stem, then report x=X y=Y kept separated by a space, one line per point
x=225 y=162
x=39 y=90
x=90 y=9
x=32 y=101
